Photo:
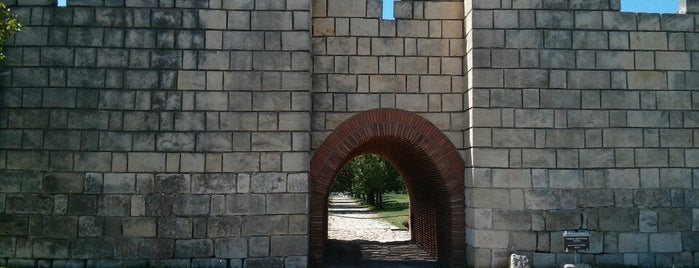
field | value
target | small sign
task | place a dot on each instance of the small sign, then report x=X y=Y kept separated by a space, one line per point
x=579 y=240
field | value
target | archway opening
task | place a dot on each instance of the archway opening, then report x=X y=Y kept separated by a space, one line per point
x=431 y=167
x=369 y=202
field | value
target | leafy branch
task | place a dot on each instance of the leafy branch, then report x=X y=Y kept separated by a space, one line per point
x=9 y=25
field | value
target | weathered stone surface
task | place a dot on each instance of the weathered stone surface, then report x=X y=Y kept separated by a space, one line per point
x=92 y=248
x=224 y=227
x=191 y=205
x=562 y=220
x=214 y=183
x=172 y=183
x=511 y=220
x=139 y=227
x=194 y=248
x=14 y=225
x=675 y=219
x=82 y=205
x=618 y=219
x=175 y=227
x=288 y=245
x=268 y=183
x=270 y=225
x=114 y=205
x=245 y=204
x=24 y=204
x=231 y=248
x=89 y=226
x=665 y=242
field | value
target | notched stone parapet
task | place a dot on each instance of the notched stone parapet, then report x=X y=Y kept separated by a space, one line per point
x=689 y=7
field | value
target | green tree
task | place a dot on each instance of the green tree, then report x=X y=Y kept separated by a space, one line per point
x=9 y=25
x=369 y=177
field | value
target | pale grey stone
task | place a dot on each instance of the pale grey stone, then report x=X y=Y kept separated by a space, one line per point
x=618 y=219
x=665 y=242
x=633 y=242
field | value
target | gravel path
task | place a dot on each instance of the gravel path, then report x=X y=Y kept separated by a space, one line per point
x=358 y=239
x=348 y=220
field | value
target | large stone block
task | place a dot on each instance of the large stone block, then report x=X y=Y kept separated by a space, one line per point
x=159 y=205
x=172 y=183
x=146 y=162
x=513 y=138
x=194 y=248
x=633 y=242
x=268 y=183
x=674 y=219
x=665 y=242
x=245 y=204
x=119 y=183
x=563 y=220
x=647 y=80
x=231 y=248
x=589 y=79
x=651 y=157
x=214 y=183
x=623 y=178
x=50 y=249
x=63 y=183
x=542 y=199
x=29 y=204
x=526 y=78
x=265 y=225
x=214 y=142
x=92 y=248
x=139 y=227
x=82 y=205
x=590 y=40
x=652 y=198
x=567 y=179
x=618 y=219
x=490 y=198
x=512 y=178
x=287 y=203
x=511 y=220
x=288 y=245
x=114 y=205
x=175 y=227
x=224 y=227
x=531 y=118
x=191 y=205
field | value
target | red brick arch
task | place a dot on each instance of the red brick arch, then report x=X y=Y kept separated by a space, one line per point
x=429 y=163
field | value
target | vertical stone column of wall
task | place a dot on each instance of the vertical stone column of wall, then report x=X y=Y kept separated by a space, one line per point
x=582 y=117
x=413 y=63
x=161 y=132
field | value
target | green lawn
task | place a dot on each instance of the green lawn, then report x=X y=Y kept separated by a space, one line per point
x=395 y=210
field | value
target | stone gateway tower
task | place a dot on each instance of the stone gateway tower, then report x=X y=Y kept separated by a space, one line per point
x=208 y=132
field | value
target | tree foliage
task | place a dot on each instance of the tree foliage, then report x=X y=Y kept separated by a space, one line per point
x=369 y=177
x=9 y=25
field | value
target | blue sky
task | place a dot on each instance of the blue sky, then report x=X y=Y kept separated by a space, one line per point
x=652 y=6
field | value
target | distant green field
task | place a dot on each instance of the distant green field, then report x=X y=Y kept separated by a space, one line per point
x=395 y=210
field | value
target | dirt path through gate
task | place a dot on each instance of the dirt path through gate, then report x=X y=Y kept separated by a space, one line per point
x=357 y=238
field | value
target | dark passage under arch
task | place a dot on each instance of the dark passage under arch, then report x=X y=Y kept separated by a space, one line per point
x=430 y=165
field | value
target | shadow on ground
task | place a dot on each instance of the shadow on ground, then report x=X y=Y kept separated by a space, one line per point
x=361 y=253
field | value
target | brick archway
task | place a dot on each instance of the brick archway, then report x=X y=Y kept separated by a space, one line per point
x=429 y=163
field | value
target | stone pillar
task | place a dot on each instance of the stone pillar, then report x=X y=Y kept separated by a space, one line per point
x=689 y=6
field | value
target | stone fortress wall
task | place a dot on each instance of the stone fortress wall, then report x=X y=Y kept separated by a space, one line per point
x=179 y=132
x=582 y=117
x=173 y=132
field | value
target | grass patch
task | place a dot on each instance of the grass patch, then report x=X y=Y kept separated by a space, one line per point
x=395 y=210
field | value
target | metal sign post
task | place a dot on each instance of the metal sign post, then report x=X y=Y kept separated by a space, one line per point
x=576 y=240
